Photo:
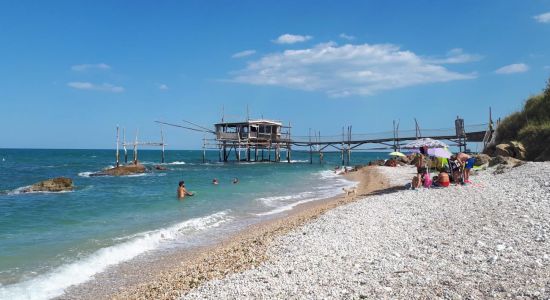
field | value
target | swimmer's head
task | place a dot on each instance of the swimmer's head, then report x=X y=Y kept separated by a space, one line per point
x=182 y=183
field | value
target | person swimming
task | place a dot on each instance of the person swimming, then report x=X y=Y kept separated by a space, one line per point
x=235 y=180
x=215 y=181
x=182 y=192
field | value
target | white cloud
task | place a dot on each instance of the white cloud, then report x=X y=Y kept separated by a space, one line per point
x=105 y=87
x=85 y=67
x=346 y=37
x=345 y=70
x=513 y=68
x=243 y=53
x=291 y=39
x=543 y=18
x=456 y=56
x=163 y=87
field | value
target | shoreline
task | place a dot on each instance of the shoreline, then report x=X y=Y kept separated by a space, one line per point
x=172 y=274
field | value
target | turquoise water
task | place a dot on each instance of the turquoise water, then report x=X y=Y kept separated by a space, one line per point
x=49 y=241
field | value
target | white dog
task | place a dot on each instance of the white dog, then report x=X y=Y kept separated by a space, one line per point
x=351 y=191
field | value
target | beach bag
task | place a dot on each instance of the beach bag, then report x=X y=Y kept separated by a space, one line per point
x=427 y=180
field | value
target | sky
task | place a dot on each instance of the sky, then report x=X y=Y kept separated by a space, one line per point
x=71 y=71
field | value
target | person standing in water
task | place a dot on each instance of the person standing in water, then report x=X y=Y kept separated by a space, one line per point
x=182 y=192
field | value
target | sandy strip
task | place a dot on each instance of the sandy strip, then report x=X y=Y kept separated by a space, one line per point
x=172 y=275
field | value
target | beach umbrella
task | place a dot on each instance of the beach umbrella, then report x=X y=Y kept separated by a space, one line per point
x=439 y=152
x=425 y=142
x=397 y=154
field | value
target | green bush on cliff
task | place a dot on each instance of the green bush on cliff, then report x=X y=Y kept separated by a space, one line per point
x=530 y=126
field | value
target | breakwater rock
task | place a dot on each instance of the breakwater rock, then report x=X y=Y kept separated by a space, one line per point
x=122 y=170
x=59 y=184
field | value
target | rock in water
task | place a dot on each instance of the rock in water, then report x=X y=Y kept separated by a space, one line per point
x=59 y=184
x=122 y=170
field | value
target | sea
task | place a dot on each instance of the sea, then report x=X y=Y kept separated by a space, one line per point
x=51 y=241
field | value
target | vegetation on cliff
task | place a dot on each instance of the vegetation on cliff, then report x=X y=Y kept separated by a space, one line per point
x=530 y=126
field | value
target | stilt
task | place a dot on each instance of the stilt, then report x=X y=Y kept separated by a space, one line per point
x=117 y=145
x=204 y=149
x=124 y=145
x=162 y=145
x=256 y=153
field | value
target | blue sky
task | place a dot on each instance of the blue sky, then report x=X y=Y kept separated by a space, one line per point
x=70 y=71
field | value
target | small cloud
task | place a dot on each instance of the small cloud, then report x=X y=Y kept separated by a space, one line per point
x=456 y=56
x=547 y=67
x=291 y=39
x=243 y=53
x=105 y=87
x=163 y=87
x=543 y=18
x=513 y=68
x=86 y=67
x=347 y=37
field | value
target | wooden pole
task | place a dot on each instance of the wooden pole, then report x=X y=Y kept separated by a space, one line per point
x=124 y=145
x=224 y=151
x=320 y=151
x=162 y=143
x=343 y=161
x=203 y=149
x=288 y=151
x=135 y=148
x=310 y=148
x=349 y=144
x=117 y=145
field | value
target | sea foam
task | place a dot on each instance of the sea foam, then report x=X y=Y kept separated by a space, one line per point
x=54 y=283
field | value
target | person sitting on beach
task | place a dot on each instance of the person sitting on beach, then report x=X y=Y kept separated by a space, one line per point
x=468 y=163
x=443 y=179
x=420 y=164
x=215 y=181
x=235 y=180
x=182 y=192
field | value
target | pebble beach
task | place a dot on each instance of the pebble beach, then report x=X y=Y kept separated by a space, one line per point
x=489 y=239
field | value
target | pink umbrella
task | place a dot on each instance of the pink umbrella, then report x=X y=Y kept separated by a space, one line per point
x=439 y=152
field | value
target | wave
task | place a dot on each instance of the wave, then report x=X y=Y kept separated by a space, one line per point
x=290 y=206
x=21 y=191
x=331 y=187
x=272 y=201
x=54 y=283
x=85 y=174
x=176 y=163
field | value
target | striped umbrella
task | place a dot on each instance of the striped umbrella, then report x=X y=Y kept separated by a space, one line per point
x=425 y=142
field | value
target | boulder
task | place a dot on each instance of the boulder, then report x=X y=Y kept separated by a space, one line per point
x=518 y=150
x=378 y=162
x=59 y=184
x=502 y=150
x=122 y=170
x=481 y=159
x=513 y=149
x=506 y=161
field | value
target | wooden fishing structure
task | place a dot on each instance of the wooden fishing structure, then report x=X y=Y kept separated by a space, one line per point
x=261 y=138
x=135 y=145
